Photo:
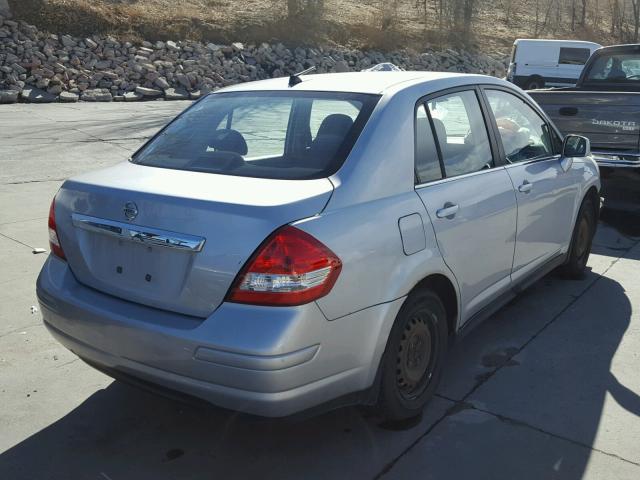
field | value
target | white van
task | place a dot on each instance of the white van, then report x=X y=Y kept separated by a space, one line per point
x=551 y=63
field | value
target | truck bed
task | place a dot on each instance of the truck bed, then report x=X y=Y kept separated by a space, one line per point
x=611 y=120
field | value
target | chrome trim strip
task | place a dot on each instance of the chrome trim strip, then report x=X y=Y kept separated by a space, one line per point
x=606 y=159
x=135 y=233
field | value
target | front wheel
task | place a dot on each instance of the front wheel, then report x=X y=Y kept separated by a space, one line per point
x=414 y=357
x=581 y=240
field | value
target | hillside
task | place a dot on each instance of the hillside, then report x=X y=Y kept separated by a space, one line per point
x=491 y=26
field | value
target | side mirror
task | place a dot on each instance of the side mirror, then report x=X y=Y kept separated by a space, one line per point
x=576 y=146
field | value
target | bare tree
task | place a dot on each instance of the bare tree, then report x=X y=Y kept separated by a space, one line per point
x=636 y=19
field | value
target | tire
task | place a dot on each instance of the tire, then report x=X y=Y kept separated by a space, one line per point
x=414 y=357
x=534 y=83
x=581 y=239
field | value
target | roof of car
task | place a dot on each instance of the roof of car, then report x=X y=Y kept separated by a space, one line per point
x=356 y=82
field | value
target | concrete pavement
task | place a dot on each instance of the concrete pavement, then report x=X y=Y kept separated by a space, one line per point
x=548 y=388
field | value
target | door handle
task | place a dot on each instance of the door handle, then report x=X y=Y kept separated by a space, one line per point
x=448 y=211
x=525 y=187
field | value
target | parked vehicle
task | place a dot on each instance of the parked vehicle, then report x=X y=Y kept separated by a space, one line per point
x=604 y=106
x=552 y=63
x=281 y=245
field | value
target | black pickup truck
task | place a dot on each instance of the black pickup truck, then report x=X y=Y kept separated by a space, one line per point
x=604 y=106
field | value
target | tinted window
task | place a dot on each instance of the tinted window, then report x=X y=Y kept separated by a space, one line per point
x=287 y=135
x=574 y=56
x=427 y=162
x=623 y=68
x=461 y=133
x=524 y=134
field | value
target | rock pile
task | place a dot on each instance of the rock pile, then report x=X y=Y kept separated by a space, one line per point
x=37 y=66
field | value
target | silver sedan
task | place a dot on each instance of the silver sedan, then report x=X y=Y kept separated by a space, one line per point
x=315 y=241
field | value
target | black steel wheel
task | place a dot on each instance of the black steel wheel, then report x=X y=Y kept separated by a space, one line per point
x=580 y=248
x=414 y=357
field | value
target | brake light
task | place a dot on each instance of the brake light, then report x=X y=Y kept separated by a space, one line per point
x=54 y=241
x=290 y=268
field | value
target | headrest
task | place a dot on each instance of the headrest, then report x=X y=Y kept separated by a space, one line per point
x=228 y=140
x=335 y=124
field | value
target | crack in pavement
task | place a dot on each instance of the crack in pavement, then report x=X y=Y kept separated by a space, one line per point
x=16 y=330
x=17 y=241
x=22 y=182
x=50 y=141
x=455 y=408
x=13 y=222
x=503 y=418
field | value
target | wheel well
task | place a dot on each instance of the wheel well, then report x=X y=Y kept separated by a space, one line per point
x=536 y=78
x=443 y=287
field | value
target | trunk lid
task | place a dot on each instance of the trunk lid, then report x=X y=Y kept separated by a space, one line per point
x=608 y=119
x=186 y=236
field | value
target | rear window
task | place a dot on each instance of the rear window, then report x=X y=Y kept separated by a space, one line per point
x=574 y=56
x=282 y=134
x=620 y=68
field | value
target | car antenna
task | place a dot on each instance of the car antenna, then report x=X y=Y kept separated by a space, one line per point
x=295 y=78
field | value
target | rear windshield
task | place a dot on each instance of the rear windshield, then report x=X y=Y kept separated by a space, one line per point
x=282 y=134
x=619 y=68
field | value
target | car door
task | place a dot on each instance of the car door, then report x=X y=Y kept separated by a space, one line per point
x=469 y=199
x=545 y=187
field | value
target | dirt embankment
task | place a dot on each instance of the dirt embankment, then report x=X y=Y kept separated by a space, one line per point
x=377 y=24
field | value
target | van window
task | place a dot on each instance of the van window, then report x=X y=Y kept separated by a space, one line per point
x=574 y=56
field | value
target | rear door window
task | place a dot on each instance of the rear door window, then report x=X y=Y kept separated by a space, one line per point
x=461 y=133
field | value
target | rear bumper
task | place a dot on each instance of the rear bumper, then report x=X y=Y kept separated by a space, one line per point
x=617 y=159
x=261 y=360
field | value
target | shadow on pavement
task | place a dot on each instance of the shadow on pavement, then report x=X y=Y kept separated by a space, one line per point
x=124 y=433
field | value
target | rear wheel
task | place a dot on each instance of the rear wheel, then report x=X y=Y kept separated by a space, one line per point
x=534 y=83
x=414 y=357
x=580 y=248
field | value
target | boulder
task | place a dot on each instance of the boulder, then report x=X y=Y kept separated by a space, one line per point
x=176 y=94
x=133 y=97
x=9 y=96
x=68 y=97
x=35 y=95
x=96 y=95
x=149 y=92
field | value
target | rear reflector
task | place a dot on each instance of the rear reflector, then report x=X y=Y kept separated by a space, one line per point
x=54 y=241
x=290 y=268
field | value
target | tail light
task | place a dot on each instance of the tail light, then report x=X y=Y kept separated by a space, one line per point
x=290 y=268
x=54 y=241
